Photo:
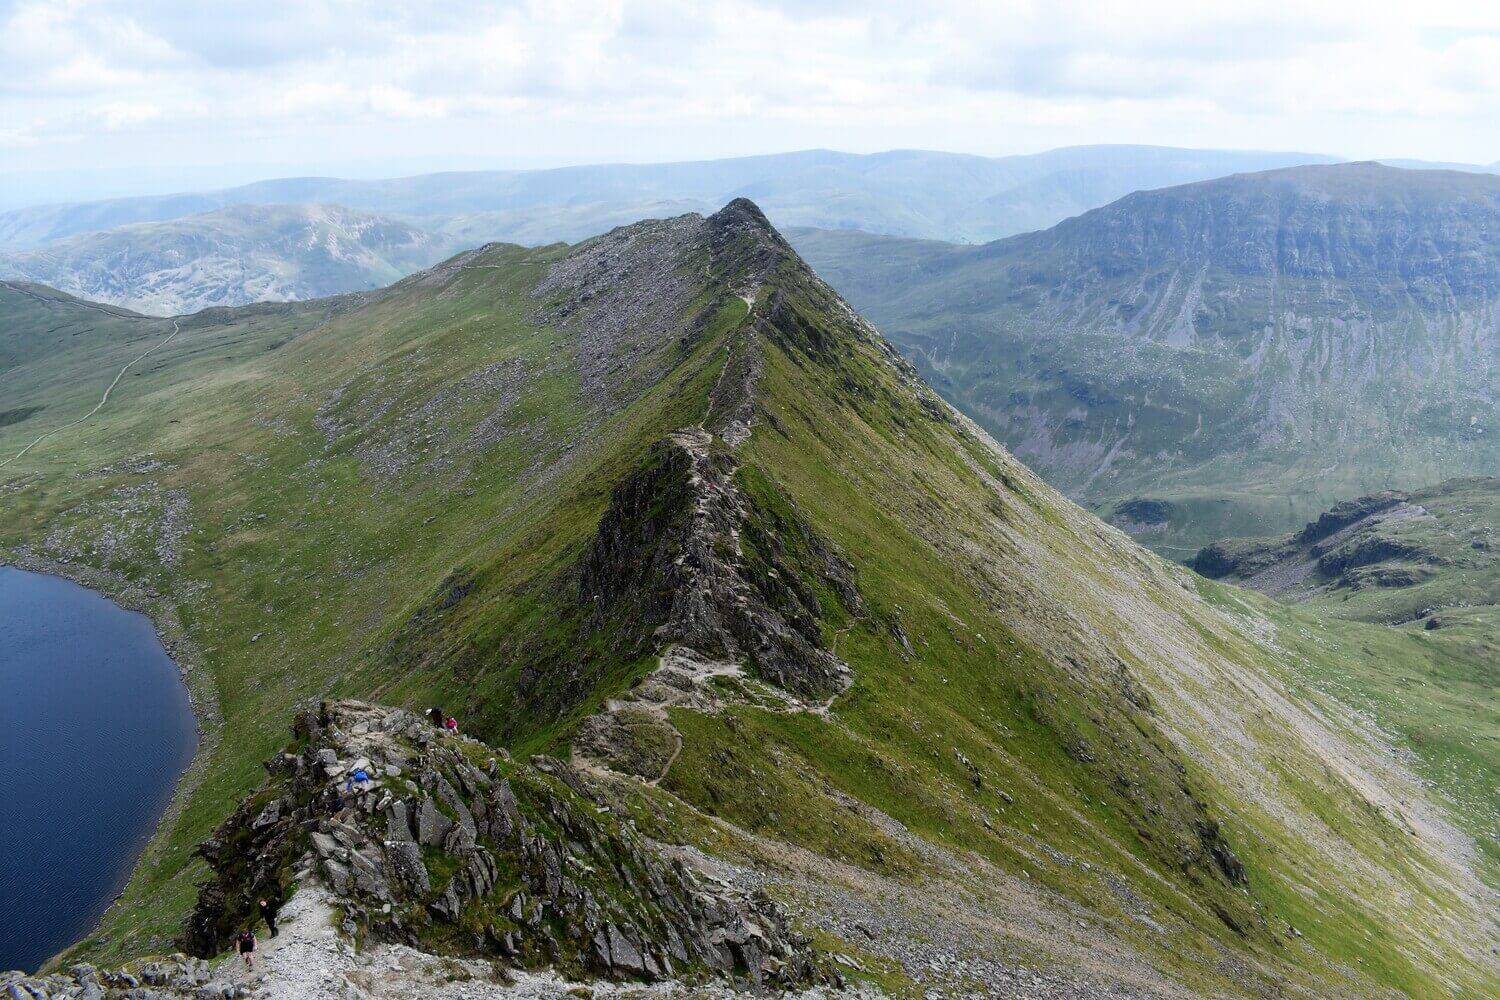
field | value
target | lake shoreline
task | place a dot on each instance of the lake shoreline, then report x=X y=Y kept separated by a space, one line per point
x=161 y=611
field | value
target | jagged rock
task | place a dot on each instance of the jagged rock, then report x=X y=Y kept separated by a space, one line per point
x=518 y=851
x=398 y=823
x=668 y=555
x=270 y=814
x=624 y=956
x=338 y=877
x=175 y=977
x=406 y=865
x=432 y=826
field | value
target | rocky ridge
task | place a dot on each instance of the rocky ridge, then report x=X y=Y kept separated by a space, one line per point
x=1083 y=690
x=451 y=847
x=723 y=580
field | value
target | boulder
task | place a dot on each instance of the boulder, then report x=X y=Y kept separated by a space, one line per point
x=432 y=826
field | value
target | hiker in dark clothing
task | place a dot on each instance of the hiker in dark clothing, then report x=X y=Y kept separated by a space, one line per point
x=436 y=715
x=245 y=945
x=268 y=914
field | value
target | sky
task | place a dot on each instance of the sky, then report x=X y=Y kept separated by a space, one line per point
x=101 y=97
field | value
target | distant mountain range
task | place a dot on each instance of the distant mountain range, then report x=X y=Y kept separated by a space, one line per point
x=1220 y=358
x=301 y=238
x=246 y=244
x=902 y=193
x=232 y=256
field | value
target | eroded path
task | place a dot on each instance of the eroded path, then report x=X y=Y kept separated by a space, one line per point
x=176 y=329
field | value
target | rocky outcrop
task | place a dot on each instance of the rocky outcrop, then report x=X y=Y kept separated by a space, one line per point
x=1342 y=515
x=169 y=978
x=453 y=848
x=1366 y=551
x=1355 y=545
x=670 y=554
x=1213 y=561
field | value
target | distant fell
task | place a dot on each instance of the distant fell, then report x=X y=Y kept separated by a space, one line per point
x=233 y=256
x=1430 y=556
x=1221 y=358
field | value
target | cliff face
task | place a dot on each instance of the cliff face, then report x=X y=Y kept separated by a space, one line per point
x=1427 y=235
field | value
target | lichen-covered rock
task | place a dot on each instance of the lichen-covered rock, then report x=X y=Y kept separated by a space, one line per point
x=456 y=850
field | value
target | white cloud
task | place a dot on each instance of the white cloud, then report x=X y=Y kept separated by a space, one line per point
x=92 y=80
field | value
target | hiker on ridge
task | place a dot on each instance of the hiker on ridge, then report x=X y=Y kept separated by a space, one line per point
x=244 y=944
x=268 y=914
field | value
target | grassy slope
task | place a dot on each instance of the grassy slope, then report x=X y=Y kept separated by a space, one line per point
x=1432 y=689
x=307 y=573
x=1047 y=565
x=42 y=323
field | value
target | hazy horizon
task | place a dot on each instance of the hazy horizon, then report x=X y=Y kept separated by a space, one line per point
x=34 y=189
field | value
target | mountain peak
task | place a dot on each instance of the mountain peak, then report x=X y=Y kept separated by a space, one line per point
x=742 y=212
x=742 y=219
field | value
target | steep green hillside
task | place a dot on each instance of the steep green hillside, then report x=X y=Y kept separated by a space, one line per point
x=42 y=322
x=664 y=501
x=1223 y=358
x=1427 y=564
x=231 y=257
